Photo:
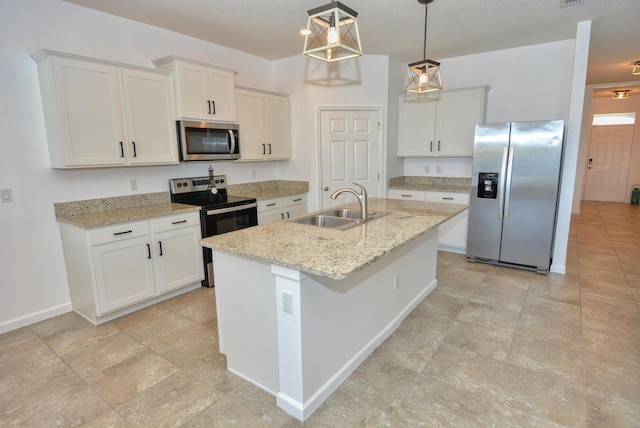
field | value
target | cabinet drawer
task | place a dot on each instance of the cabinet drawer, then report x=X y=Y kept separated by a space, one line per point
x=163 y=224
x=270 y=204
x=448 y=197
x=118 y=232
x=409 y=195
x=295 y=200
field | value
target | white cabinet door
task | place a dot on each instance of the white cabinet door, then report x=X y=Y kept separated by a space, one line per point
x=443 y=127
x=458 y=114
x=416 y=128
x=250 y=115
x=204 y=92
x=276 y=209
x=222 y=95
x=277 y=126
x=150 y=117
x=123 y=273
x=85 y=127
x=265 y=125
x=179 y=258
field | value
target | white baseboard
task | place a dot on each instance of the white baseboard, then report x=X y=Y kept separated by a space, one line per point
x=35 y=317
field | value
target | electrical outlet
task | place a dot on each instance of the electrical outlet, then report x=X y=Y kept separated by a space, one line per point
x=133 y=183
x=5 y=195
x=287 y=302
x=396 y=282
x=426 y=169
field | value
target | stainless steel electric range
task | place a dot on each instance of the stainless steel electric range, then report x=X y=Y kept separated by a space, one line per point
x=220 y=212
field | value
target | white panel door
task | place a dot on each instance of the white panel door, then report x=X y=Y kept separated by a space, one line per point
x=350 y=142
x=608 y=168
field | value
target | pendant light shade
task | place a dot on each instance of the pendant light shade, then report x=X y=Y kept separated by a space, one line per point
x=636 y=69
x=424 y=76
x=332 y=33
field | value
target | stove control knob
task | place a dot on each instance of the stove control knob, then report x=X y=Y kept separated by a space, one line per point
x=179 y=184
x=214 y=190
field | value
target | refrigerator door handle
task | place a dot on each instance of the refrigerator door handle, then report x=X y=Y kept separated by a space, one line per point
x=501 y=184
x=507 y=189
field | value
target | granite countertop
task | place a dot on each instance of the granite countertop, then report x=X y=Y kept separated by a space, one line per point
x=431 y=184
x=331 y=253
x=269 y=189
x=92 y=213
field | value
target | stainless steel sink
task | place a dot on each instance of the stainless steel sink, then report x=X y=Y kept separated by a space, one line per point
x=352 y=213
x=324 y=221
x=339 y=219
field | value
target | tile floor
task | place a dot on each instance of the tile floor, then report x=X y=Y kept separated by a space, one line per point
x=490 y=346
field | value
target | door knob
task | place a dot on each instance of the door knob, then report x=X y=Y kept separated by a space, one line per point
x=326 y=188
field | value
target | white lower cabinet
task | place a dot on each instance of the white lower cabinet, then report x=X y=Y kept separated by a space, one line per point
x=276 y=209
x=452 y=234
x=114 y=270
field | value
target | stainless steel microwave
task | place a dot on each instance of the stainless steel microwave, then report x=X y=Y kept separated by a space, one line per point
x=208 y=141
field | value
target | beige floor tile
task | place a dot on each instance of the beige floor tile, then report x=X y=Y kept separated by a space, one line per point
x=434 y=402
x=19 y=356
x=160 y=329
x=611 y=322
x=547 y=358
x=415 y=341
x=489 y=316
x=223 y=414
x=600 y=265
x=198 y=305
x=131 y=376
x=171 y=402
x=444 y=304
x=555 y=311
x=565 y=333
x=480 y=340
x=618 y=305
x=605 y=288
x=379 y=383
x=213 y=371
x=140 y=317
x=259 y=403
x=192 y=344
x=31 y=386
x=488 y=294
x=505 y=416
x=110 y=419
x=546 y=396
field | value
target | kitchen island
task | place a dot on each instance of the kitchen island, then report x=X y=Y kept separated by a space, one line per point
x=300 y=307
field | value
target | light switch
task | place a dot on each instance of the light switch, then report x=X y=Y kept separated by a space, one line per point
x=5 y=195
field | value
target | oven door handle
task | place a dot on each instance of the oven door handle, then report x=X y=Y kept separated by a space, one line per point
x=232 y=209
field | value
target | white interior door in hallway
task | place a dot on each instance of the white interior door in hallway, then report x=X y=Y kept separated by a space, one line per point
x=608 y=164
x=350 y=144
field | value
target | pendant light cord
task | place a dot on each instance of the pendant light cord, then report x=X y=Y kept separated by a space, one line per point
x=424 y=45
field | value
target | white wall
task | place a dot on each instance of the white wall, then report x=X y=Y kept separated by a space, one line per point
x=33 y=282
x=359 y=82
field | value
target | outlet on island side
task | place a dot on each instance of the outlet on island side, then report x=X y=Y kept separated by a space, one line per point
x=287 y=302
x=133 y=183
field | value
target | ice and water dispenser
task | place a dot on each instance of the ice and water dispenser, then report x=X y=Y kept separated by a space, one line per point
x=488 y=185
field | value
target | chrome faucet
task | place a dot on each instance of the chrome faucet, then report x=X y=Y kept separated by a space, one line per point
x=362 y=198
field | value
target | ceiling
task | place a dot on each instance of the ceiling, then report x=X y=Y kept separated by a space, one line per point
x=270 y=29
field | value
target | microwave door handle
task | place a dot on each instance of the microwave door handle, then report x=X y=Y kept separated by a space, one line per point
x=232 y=136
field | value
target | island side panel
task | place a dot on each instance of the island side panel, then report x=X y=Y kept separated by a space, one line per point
x=335 y=324
x=247 y=324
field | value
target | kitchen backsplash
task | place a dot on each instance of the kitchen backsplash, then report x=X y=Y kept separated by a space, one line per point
x=65 y=209
x=428 y=183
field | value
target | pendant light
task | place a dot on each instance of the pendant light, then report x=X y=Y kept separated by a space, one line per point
x=332 y=33
x=636 y=69
x=424 y=76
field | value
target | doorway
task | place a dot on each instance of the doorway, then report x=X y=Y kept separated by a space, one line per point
x=608 y=163
x=351 y=148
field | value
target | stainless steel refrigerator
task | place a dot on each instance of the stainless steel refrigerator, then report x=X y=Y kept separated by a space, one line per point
x=514 y=194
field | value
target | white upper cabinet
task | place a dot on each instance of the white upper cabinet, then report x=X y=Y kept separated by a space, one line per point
x=102 y=114
x=203 y=91
x=441 y=127
x=265 y=125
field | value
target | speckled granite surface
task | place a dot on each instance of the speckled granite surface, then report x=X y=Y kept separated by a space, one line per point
x=433 y=184
x=92 y=213
x=331 y=253
x=269 y=189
